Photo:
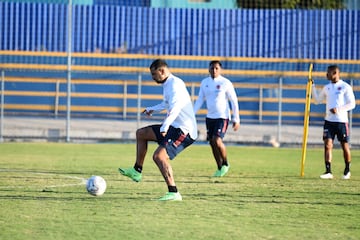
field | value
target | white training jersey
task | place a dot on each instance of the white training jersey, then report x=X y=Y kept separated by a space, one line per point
x=338 y=95
x=177 y=103
x=217 y=93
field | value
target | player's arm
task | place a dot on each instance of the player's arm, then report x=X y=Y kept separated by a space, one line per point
x=175 y=104
x=200 y=100
x=157 y=108
x=349 y=100
x=318 y=97
x=231 y=94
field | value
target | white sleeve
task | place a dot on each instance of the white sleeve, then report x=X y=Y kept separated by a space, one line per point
x=318 y=97
x=175 y=104
x=234 y=103
x=157 y=108
x=200 y=100
x=349 y=100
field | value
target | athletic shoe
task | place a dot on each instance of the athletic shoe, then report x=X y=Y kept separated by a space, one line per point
x=224 y=169
x=346 y=176
x=171 y=196
x=131 y=173
x=217 y=173
x=326 y=176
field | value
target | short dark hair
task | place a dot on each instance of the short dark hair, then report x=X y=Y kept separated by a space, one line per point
x=334 y=67
x=215 y=62
x=158 y=63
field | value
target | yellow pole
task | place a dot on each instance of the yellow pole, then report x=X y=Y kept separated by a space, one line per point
x=306 y=118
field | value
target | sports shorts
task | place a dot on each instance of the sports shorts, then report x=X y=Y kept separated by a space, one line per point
x=216 y=127
x=340 y=129
x=174 y=141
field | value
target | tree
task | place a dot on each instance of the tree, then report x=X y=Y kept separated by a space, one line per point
x=292 y=4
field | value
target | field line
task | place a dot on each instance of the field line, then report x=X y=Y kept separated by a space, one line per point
x=81 y=179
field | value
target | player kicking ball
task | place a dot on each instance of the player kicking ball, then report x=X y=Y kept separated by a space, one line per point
x=177 y=132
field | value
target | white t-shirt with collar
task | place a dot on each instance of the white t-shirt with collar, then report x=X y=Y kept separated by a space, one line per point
x=218 y=92
x=179 y=107
x=338 y=95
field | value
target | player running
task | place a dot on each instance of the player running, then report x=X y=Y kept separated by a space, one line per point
x=218 y=91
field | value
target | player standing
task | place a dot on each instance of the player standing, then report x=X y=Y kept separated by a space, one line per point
x=340 y=99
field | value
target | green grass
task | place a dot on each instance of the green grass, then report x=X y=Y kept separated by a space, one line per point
x=262 y=197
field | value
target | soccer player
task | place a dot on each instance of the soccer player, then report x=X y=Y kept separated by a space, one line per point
x=178 y=130
x=340 y=99
x=217 y=91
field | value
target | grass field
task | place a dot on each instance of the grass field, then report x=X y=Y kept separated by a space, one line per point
x=42 y=195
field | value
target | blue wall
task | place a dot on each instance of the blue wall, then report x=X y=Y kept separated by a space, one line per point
x=215 y=4
x=313 y=34
x=139 y=3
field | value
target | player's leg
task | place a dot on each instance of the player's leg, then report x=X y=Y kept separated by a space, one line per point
x=210 y=134
x=215 y=152
x=173 y=143
x=328 y=146
x=219 y=151
x=143 y=135
x=328 y=138
x=347 y=159
x=216 y=132
x=161 y=158
x=343 y=137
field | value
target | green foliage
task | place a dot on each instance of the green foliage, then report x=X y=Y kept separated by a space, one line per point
x=292 y=4
x=42 y=195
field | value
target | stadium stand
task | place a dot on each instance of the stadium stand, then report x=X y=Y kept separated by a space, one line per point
x=265 y=52
x=118 y=91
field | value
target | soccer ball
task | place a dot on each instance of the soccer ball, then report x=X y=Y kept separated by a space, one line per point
x=96 y=185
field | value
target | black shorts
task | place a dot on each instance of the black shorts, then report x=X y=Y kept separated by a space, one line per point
x=174 y=141
x=216 y=127
x=341 y=130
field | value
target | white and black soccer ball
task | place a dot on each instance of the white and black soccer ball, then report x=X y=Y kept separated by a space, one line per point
x=96 y=185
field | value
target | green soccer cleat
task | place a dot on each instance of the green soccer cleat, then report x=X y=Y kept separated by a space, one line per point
x=217 y=173
x=131 y=173
x=224 y=169
x=171 y=196
x=220 y=173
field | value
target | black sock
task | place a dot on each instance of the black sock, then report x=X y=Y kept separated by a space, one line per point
x=172 y=188
x=347 y=168
x=225 y=163
x=328 y=167
x=138 y=168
